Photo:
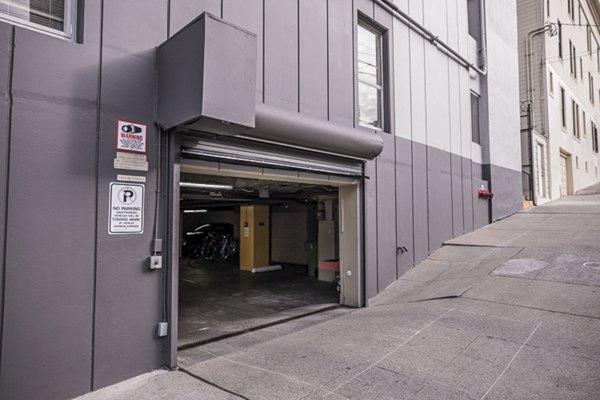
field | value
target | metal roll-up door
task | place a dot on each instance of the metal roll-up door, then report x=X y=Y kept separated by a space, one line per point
x=246 y=152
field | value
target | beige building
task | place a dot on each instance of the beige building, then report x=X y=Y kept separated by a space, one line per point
x=559 y=71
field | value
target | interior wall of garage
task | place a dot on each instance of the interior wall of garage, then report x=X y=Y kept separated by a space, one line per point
x=78 y=306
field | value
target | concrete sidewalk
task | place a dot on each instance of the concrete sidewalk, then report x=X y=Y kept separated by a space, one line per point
x=511 y=311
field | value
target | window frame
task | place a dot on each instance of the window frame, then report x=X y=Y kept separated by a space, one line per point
x=475 y=119
x=575 y=111
x=563 y=108
x=369 y=25
x=560 y=47
x=69 y=22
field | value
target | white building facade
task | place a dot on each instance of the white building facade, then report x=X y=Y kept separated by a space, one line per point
x=559 y=48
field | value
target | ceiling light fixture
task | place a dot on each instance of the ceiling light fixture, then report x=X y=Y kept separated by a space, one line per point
x=194 y=211
x=205 y=186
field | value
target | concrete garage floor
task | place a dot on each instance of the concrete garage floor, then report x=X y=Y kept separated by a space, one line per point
x=511 y=311
x=217 y=299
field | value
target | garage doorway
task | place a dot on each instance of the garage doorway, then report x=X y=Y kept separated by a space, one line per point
x=260 y=245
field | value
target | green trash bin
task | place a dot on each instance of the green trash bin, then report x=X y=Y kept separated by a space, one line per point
x=312 y=257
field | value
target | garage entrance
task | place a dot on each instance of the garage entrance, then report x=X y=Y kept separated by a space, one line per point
x=258 y=245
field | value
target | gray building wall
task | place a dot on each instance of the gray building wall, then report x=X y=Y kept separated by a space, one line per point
x=79 y=307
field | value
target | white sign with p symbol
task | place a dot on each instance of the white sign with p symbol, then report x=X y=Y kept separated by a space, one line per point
x=126 y=213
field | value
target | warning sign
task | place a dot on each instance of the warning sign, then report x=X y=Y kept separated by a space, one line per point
x=126 y=214
x=131 y=136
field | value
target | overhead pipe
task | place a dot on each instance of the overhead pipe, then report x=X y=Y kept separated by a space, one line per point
x=434 y=40
x=276 y=125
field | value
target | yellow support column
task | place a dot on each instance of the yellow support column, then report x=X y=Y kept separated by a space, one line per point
x=254 y=237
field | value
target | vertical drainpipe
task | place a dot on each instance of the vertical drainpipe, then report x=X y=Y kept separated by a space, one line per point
x=552 y=29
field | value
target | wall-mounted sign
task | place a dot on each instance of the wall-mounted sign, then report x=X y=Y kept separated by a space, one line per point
x=131 y=136
x=126 y=213
x=131 y=178
x=131 y=161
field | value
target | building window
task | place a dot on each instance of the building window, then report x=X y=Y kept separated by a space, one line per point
x=573 y=59
x=475 y=127
x=563 y=106
x=551 y=83
x=474 y=19
x=560 y=52
x=575 y=120
x=370 y=76
x=547 y=8
x=50 y=16
x=594 y=138
x=583 y=123
x=591 y=79
x=571 y=8
x=589 y=38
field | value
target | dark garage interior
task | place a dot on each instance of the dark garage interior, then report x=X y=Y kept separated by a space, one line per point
x=253 y=252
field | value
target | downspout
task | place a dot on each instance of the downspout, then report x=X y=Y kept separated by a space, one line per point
x=552 y=28
x=434 y=40
x=528 y=53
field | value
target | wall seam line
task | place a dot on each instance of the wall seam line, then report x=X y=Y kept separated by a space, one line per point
x=97 y=179
x=450 y=130
x=264 y=48
x=298 y=49
x=9 y=89
x=328 y=61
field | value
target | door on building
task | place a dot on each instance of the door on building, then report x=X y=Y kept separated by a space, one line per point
x=564 y=175
x=540 y=172
x=259 y=242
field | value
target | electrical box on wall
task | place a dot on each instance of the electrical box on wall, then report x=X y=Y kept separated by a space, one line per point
x=207 y=77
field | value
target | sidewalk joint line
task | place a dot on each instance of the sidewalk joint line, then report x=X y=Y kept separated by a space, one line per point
x=213 y=384
x=532 y=308
x=511 y=361
x=389 y=353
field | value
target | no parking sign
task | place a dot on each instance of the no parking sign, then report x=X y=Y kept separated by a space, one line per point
x=126 y=214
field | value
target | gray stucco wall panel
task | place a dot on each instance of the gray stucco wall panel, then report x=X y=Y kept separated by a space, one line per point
x=480 y=206
x=467 y=193
x=457 y=196
x=5 y=61
x=420 y=208
x=436 y=18
x=508 y=197
x=404 y=205
x=281 y=54
x=386 y=204
x=185 y=11
x=341 y=50
x=48 y=308
x=248 y=14
x=313 y=57
x=439 y=197
x=48 y=298
x=370 y=238
x=128 y=296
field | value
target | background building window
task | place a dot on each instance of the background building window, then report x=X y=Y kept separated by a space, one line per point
x=475 y=127
x=563 y=113
x=591 y=79
x=51 y=16
x=560 y=53
x=370 y=76
x=551 y=82
x=576 y=120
